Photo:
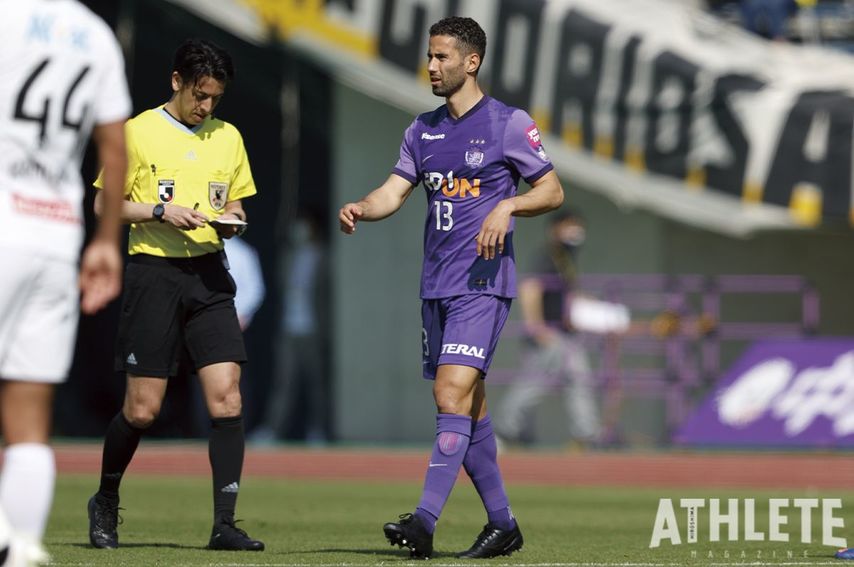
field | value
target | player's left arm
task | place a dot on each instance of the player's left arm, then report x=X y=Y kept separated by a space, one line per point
x=546 y=194
x=242 y=186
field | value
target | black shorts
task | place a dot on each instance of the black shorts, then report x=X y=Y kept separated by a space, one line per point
x=170 y=303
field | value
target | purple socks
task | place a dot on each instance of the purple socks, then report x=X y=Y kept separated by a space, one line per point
x=481 y=464
x=461 y=442
x=453 y=433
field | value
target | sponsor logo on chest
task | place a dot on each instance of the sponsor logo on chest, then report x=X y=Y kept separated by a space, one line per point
x=451 y=186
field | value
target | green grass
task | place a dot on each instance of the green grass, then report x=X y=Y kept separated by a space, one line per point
x=167 y=522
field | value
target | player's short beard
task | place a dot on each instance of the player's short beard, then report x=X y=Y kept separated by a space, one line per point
x=450 y=85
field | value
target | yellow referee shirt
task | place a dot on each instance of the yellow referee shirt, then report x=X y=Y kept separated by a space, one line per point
x=171 y=164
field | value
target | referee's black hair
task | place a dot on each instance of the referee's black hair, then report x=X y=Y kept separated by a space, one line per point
x=197 y=58
x=466 y=31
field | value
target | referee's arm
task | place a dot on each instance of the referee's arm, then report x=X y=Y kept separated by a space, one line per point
x=233 y=209
x=178 y=216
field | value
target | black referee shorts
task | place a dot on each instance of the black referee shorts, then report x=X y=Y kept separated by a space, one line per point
x=173 y=302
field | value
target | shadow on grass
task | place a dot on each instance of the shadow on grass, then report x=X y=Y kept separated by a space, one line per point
x=402 y=554
x=134 y=546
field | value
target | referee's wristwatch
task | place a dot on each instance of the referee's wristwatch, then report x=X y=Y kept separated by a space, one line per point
x=158 y=211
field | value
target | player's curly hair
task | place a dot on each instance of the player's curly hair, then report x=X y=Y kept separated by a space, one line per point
x=197 y=58
x=467 y=32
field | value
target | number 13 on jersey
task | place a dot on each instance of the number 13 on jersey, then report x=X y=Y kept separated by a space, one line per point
x=444 y=215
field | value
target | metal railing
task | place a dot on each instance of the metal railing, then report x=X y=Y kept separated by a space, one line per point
x=684 y=331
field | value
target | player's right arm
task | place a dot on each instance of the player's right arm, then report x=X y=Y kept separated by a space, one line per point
x=380 y=203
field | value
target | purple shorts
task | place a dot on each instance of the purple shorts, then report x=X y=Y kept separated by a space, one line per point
x=461 y=330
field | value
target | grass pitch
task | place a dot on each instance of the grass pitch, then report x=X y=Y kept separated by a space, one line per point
x=167 y=522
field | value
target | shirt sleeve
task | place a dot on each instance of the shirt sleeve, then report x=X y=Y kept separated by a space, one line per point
x=113 y=103
x=242 y=183
x=134 y=162
x=523 y=147
x=405 y=166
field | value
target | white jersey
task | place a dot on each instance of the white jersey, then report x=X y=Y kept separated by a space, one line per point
x=61 y=72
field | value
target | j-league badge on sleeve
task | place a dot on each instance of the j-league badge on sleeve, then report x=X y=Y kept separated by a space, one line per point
x=218 y=194
x=165 y=190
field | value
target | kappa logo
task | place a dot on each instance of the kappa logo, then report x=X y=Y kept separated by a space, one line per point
x=231 y=488
x=466 y=350
x=426 y=136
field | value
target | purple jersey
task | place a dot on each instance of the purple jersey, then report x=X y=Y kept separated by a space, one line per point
x=467 y=166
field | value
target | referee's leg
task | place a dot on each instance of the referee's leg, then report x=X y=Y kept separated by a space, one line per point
x=221 y=388
x=143 y=400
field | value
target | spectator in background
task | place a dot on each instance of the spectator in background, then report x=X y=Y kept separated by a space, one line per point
x=245 y=268
x=555 y=357
x=300 y=372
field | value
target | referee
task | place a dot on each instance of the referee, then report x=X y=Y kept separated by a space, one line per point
x=186 y=170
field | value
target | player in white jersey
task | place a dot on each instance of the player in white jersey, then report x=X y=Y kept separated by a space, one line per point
x=61 y=78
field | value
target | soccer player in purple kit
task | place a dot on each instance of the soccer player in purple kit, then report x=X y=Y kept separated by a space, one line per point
x=469 y=155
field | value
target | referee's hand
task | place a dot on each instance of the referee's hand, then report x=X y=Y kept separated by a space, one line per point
x=184 y=218
x=100 y=275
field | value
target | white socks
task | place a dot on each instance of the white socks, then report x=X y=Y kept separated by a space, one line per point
x=26 y=487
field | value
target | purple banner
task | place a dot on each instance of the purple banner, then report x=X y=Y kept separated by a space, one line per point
x=795 y=393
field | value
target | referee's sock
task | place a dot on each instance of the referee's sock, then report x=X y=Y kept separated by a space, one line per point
x=120 y=443
x=225 y=449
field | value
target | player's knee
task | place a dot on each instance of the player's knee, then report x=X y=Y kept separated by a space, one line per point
x=227 y=404
x=449 y=401
x=141 y=417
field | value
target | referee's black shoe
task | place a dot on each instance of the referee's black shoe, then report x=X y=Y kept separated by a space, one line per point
x=228 y=537
x=492 y=542
x=410 y=532
x=103 y=521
